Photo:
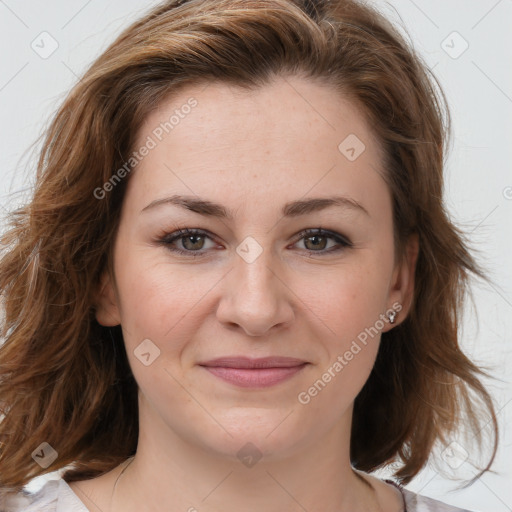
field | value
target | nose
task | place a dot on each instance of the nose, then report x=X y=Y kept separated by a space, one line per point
x=256 y=296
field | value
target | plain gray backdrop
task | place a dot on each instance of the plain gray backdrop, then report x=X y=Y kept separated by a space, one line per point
x=46 y=46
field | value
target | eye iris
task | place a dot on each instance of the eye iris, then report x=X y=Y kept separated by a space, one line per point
x=190 y=237
x=316 y=244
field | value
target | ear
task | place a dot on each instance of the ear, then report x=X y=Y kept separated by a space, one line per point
x=401 y=292
x=107 y=310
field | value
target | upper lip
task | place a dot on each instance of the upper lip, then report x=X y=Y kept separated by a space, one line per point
x=248 y=362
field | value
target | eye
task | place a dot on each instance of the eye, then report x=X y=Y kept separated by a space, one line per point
x=317 y=239
x=191 y=241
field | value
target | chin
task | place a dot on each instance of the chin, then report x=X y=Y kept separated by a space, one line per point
x=256 y=434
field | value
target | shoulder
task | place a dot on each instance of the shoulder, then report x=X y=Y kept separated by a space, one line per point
x=54 y=496
x=418 y=503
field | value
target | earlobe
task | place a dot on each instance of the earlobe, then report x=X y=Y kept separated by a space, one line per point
x=106 y=308
x=402 y=289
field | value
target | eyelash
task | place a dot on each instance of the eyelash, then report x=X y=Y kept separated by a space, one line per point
x=169 y=238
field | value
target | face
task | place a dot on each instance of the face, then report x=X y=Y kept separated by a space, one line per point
x=265 y=271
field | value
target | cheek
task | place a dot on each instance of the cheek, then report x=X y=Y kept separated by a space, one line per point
x=350 y=298
x=349 y=308
x=158 y=303
x=349 y=312
x=159 y=299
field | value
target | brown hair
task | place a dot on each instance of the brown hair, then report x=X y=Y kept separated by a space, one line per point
x=65 y=380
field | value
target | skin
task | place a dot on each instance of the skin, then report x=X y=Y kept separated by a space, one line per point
x=252 y=152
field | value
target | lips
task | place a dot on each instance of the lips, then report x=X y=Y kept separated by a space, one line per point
x=247 y=372
x=248 y=363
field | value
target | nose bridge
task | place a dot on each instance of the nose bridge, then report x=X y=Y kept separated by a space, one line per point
x=253 y=272
x=254 y=297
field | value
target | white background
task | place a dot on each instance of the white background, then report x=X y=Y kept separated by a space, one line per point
x=478 y=83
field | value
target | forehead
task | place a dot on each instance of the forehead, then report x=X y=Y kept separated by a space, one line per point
x=291 y=136
x=286 y=107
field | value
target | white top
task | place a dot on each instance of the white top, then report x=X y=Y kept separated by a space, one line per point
x=57 y=496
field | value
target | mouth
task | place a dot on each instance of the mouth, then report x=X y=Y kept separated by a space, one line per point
x=254 y=373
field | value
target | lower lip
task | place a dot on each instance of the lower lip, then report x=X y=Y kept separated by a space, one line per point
x=254 y=377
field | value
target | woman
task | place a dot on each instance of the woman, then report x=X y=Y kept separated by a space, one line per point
x=173 y=341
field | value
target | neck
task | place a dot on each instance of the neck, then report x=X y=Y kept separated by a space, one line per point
x=170 y=473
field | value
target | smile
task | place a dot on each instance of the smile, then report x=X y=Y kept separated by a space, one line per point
x=254 y=377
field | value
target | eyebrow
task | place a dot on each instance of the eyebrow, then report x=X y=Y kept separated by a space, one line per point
x=292 y=209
